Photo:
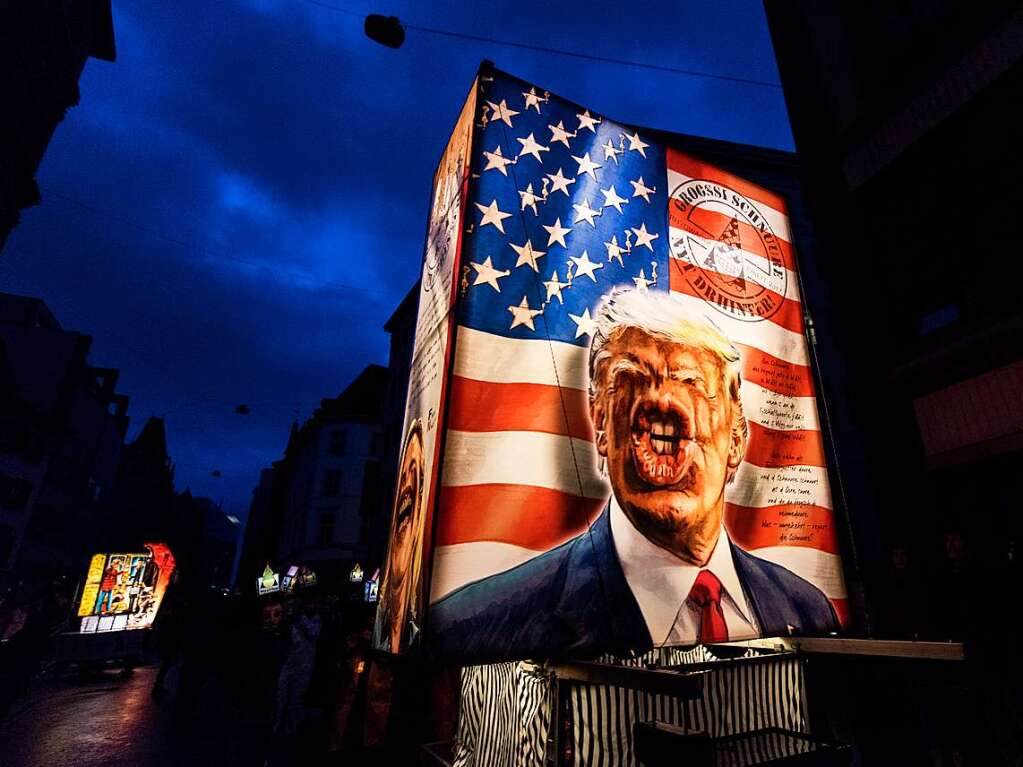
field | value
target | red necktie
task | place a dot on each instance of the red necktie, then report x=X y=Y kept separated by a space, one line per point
x=706 y=594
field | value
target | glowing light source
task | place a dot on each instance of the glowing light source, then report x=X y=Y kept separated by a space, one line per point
x=269 y=581
x=123 y=591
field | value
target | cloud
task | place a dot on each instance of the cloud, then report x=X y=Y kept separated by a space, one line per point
x=238 y=203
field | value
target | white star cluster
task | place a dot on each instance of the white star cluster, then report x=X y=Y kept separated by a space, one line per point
x=599 y=151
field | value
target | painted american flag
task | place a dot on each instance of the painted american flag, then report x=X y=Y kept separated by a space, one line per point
x=565 y=204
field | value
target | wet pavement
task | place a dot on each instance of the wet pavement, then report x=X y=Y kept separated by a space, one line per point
x=106 y=720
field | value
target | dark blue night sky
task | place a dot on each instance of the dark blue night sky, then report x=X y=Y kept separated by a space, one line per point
x=239 y=202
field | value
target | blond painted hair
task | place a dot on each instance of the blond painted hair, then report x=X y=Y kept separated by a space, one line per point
x=663 y=317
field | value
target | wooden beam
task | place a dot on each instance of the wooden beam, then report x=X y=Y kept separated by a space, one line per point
x=681 y=684
x=884 y=648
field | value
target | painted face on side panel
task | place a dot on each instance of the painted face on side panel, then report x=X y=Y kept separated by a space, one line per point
x=406 y=528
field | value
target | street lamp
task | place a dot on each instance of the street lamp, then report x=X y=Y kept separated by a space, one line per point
x=386 y=30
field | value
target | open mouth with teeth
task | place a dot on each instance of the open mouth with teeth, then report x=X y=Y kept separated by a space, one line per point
x=404 y=504
x=662 y=445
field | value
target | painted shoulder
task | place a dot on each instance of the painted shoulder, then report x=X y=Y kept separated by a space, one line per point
x=512 y=612
x=779 y=592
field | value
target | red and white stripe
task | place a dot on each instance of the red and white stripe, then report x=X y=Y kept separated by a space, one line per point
x=519 y=413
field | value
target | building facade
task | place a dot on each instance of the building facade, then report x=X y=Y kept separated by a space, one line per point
x=44 y=45
x=143 y=504
x=904 y=118
x=62 y=427
x=401 y=328
x=146 y=508
x=217 y=541
x=316 y=505
x=261 y=530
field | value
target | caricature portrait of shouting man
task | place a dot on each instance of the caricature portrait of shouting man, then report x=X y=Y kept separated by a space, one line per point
x=657 y=566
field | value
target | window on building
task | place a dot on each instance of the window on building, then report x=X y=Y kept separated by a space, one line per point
x=326 y=528
x=332 y=482
x=337 y=442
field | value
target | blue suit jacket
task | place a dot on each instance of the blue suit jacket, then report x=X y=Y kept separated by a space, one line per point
x=574 y=601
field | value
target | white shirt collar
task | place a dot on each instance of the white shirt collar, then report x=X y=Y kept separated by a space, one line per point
x=661 y=581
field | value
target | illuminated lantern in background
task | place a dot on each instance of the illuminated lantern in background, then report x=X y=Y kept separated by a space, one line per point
x=372 y=587
x=268 y=582
x=123 y=591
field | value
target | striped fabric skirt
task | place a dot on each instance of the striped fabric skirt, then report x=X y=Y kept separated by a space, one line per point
x=506 y=708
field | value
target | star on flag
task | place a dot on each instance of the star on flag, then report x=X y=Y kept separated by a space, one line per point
x=643 y=237
x=486 y=273
x=523 y=314
x=584 y=323
x=497 y=161
x=583 y=212
x=636 y=144
x=531 y=147
x=585 y=267
x=586 y=165
x=501 y=112
x=527 y=255
x=560 y=183
x=492 y=215
x=585 y=121
x=556 y=233
x=612 y=200
x=554 y=287
x=642 y=190
x=558 y=133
